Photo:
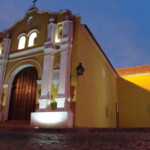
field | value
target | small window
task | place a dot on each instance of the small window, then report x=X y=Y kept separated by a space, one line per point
x=30 y=21
x=32 y=39
x=22 y=42
x=58 y=36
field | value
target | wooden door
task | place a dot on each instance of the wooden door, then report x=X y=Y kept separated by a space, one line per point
x=23 y=94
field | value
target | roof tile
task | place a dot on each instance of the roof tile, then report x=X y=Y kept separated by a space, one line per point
x=134 y=71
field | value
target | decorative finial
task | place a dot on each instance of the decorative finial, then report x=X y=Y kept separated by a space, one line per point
x=52 y=19
x=67 y=17
x=34 y=1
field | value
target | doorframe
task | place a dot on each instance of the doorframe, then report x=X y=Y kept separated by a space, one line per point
x=9 y=89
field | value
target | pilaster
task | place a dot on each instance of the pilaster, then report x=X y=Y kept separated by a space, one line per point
x=3 y=63
x=45 y=98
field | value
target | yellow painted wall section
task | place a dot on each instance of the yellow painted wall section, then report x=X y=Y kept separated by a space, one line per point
x=74 y=63
x=142 y=81
x=3 y=101
x=22 y=27
x=96 y=89
x=134 y=101
x=40 y=22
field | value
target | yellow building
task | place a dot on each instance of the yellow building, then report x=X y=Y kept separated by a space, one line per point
x=55 y=74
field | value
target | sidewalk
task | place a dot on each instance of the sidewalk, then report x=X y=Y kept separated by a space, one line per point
x=23 y=138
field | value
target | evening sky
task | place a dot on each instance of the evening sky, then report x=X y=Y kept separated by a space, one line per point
x=121 y=27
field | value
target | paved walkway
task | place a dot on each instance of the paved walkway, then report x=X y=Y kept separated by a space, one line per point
x=31 y=139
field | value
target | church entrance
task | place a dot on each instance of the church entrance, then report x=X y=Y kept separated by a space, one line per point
x=23 y=95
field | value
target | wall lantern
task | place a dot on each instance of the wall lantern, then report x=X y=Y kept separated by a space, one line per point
x=80 y=69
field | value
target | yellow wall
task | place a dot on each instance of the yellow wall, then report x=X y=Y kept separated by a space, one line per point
x=21 y=27
x=134 y=101
x=96 y=95
x=12 y=65
x=40 y=22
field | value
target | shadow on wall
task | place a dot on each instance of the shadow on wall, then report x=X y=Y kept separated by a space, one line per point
x=134 y=104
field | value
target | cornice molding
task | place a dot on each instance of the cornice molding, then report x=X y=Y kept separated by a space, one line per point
x=25 y=52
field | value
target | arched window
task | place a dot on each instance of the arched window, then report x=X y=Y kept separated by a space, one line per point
x=58 y=35
x=22 y=42
x=32 y=38
x=30 y=21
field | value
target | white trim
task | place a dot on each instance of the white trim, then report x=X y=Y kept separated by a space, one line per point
x=14 y=73
x=5 y=115
x=20 y=35
x=47 y=42
x=2 y=61
x=39 y=81
x=97 y=48
x=2 y=55
x=65 y=63
x=34 y=30
x=3 y=65
x=31 y=60
x=28 y=51
x=50 y=34
x=2 y=58
x=44 y=100
x=29 y=19
x=5 y=85
x=39 y=12
x=25 y=57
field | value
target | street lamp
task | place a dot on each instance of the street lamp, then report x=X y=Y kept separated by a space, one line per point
x=80 y=69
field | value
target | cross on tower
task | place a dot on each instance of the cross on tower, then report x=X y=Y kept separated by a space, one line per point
x=34 y=1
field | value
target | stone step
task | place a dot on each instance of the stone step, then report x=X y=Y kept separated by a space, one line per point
x=15 y=126
x=16 y=123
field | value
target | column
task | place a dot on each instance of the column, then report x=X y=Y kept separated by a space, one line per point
x=65 y=64
x=45 y=98
x=3 y=64
x=44 y=101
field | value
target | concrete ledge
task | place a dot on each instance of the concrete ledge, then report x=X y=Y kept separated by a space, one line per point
x=73 y=130
x=49 y=119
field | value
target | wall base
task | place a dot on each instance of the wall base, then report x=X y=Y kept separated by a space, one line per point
x=1 y=117
x=52 y=119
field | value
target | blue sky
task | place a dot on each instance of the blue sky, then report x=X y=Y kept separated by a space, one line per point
x=121 y=27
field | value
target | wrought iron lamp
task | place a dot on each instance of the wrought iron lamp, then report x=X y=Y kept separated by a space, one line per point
x=80 y=69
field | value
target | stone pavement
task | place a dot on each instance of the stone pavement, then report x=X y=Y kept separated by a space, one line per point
x=74 y=139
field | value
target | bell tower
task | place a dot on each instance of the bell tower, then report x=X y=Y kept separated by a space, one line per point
x=55 y=83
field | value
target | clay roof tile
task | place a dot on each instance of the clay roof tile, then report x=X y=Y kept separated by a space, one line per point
x=134 y=71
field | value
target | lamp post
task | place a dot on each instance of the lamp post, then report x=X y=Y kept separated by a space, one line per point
x=80 y=69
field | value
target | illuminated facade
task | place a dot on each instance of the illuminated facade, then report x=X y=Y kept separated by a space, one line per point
x=42 y=80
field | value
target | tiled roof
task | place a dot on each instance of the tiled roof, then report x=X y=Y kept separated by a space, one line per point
x=134 y=71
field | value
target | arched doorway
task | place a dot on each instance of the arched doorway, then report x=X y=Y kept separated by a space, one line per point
x=23 y=94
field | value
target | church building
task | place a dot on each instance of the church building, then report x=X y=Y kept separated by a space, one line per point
x=54 y=74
